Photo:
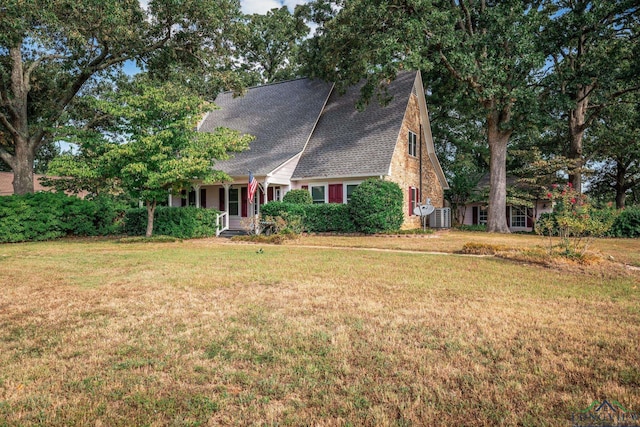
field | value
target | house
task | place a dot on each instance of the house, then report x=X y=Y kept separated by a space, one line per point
x=519 y=218
x=6 y=183
x=309 y=136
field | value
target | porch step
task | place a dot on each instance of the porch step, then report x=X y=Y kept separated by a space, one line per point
x=230 y=233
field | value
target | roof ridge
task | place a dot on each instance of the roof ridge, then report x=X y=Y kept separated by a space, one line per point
x=273 y=84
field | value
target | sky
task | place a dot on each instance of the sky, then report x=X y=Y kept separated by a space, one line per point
x=263 y=6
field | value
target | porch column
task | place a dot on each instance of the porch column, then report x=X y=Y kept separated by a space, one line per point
x=265 y=185
x=226 y=202
x=170 y=199
x=196 y=188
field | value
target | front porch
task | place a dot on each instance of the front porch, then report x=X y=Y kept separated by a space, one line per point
x=230 y=199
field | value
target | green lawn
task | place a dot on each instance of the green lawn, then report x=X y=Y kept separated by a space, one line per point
x=209 y=332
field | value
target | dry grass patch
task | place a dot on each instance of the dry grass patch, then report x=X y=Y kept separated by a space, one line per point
x=209 y=333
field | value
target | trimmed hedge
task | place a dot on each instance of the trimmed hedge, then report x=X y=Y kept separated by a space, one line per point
x=329 y=217
x=46 y=216
x=184 y=222
x=319 y=218
x=298 y=196
x=284 y=210
x=376 y=206
x=627 y=223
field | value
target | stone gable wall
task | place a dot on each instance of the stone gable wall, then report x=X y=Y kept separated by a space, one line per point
x=405 y=169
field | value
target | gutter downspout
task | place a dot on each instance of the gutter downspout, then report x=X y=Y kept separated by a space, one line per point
x=420 y=198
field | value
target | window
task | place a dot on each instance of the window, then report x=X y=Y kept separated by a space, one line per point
x=518 y=217
x=233 y=202
x=413 y=145
x=317 y=193
x=414 y=201
x=277 y=193
x=349 y=191
x=483 y=215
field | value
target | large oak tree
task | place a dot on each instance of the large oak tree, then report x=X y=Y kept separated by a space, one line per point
x=50 y=49
x=488 y=48
x=593 y=62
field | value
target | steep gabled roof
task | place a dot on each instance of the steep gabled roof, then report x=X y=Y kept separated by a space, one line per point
x=347 y=142
x=281 y=116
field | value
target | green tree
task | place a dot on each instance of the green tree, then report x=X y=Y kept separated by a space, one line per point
x=159 y=151
x=488 y=49
x=614 y=144
x=268 y=44
x=50 y=50
x=593 y=60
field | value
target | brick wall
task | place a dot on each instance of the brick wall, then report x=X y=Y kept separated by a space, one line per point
x=405 y=169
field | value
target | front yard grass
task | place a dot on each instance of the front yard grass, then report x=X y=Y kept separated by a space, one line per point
x=207 y=332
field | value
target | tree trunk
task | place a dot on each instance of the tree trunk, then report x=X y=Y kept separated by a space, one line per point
x=577 y=126
x=22 y=166
x=17 y=124
x=498 y=140
x=151 y=209
x=621 y=188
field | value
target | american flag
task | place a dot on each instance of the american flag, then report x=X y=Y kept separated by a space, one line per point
x=253 y=186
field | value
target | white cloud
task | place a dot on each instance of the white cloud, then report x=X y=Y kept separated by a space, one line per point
x=259 y=6
x=263 y=6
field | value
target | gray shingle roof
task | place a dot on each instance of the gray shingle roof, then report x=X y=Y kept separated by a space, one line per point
x=347 y=142
x=281 y=116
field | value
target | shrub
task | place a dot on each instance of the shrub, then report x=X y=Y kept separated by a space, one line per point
x=290 y=217
x=184 y=223
x=301 y=197
x=46 y=216
x=308 y=217
x=329 y=217
x=574 y=220
x=376 y=206
x=627 y=223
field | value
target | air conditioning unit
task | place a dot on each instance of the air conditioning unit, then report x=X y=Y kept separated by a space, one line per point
x=440 y=218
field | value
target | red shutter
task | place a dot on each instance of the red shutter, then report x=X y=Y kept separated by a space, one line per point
x=221 y=199
x=410 y=201
x=508 y=216
x=183 y=198
x=475 y=217
x=203 y=197
x=244 y=195
x=529 y=217
x=269 y=194
x=335 y=193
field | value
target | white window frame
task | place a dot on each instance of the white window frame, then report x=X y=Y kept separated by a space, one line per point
x=412 y=141
x=344 y=189
x=483 y=215
x=518 y=213
x=239 y=192
x=326 y=191
x=277 y=193
x=415 y=202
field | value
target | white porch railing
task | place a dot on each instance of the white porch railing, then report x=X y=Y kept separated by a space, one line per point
x=222 y=222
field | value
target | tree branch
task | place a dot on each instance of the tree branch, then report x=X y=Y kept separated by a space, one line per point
x=457 y=75
x=13 y=131
x=35 y=64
